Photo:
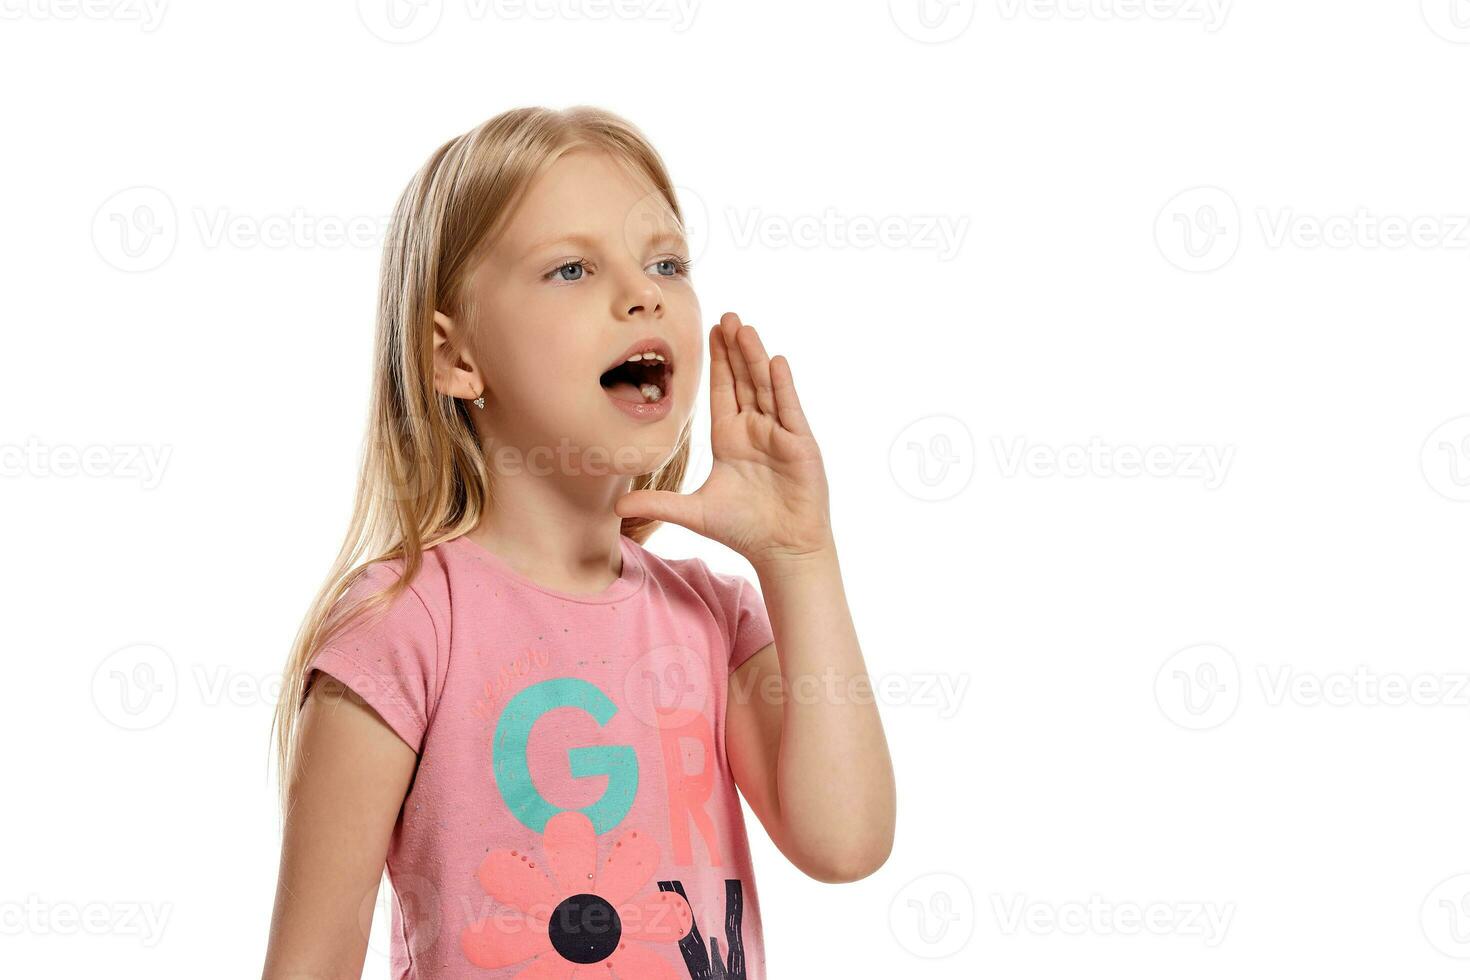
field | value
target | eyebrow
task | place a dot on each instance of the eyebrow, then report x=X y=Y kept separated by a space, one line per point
x=664 y=237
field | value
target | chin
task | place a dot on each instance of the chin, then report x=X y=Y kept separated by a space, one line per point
x=643 y=455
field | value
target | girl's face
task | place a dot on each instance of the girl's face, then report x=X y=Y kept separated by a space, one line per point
x=590 y=270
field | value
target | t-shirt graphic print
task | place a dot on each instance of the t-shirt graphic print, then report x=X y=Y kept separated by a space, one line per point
x=573 y=813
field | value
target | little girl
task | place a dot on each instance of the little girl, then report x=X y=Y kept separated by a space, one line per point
x=539 y=724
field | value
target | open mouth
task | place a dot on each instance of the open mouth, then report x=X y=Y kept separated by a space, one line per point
x=641 y=376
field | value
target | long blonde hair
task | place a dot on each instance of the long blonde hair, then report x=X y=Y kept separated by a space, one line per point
x=423 y=477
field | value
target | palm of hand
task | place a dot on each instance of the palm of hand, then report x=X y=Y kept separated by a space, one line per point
x=766 y=495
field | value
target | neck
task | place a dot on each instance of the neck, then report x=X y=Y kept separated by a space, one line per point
x=556 y=530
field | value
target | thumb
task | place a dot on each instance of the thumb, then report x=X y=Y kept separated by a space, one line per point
x=661 y=505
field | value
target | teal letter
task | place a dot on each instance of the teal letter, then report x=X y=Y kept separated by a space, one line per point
x=619 y=763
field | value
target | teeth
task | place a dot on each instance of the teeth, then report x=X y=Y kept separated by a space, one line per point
x=651 y=392
x=646 y=356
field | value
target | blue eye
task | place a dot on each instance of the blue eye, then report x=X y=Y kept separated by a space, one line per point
x=565 y=274
x=672 y=267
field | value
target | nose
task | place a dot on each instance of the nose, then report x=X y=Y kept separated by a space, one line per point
x=638 y=294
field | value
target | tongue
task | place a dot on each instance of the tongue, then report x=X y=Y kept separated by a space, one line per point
x=625 y=391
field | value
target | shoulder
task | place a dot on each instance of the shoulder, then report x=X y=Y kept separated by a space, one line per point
x=423 y=599
x=693 y=572
x=732 y=599
x=725 y=593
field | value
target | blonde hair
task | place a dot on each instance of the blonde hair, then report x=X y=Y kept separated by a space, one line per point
x=423 y=478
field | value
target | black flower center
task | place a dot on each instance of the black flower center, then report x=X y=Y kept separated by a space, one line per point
x=585 y=929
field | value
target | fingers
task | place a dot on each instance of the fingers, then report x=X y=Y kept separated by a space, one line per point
x=788 y=406
x=744 y=387
x=662 y=505
x=760 y=368
x=721 y=379
x=760 y=383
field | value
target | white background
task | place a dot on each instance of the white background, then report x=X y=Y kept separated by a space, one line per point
x=1186 y=231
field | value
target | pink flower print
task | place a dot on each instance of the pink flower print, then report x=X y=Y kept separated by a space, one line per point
x=578 y=920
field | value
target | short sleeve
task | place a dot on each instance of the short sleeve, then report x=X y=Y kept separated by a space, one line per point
x=388 y=657
x=744 y=611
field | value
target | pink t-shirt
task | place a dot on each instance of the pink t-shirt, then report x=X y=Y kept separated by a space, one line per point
x=573 y=813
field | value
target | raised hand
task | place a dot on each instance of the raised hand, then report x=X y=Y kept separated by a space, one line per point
x=766 y=496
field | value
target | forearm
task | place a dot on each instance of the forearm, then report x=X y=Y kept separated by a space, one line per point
x=834 y=778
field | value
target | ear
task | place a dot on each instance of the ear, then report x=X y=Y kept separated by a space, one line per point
x=455 y=373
